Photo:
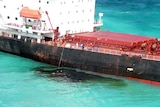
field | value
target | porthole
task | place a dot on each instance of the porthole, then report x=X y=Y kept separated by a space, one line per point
x=4 y=6
x=39 y=1
x=8 y=17
x=47 y=2
x=29 y=20
x=16 y=18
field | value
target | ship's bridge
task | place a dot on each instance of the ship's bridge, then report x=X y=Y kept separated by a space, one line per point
x=33 y=26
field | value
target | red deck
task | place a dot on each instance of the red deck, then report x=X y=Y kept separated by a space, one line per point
x=115 y=38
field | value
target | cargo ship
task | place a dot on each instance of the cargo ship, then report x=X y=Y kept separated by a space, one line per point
x=66 y=34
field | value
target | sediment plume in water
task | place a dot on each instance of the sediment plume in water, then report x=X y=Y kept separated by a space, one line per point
x=71 y=75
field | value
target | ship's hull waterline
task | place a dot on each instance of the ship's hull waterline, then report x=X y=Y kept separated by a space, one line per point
x=118 y=65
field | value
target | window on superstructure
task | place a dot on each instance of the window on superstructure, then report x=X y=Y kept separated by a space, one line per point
x=47 y=2
x=8 y=17
x=76 y=11
x=4 y=6
x=16 y=18
x=39 y=1
x=77 y=21
x=72 y=1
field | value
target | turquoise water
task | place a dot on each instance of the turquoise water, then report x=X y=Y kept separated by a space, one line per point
x=139 y=17
x=23 y=85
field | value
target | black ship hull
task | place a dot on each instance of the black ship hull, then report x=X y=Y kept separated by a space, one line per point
x=118 y=65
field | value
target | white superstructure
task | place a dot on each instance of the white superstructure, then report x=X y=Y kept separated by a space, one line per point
x=70 y=16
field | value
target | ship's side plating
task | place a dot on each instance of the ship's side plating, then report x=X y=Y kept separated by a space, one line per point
x=27 y=30
x=123 y=65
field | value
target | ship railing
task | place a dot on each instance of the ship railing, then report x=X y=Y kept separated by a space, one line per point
x=106 y=51
x=31 y=28
x=152 y=57
x=116 y=52
x=130 y=54
x=98 y=23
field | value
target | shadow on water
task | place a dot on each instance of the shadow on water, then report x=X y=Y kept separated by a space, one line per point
x=71 y=75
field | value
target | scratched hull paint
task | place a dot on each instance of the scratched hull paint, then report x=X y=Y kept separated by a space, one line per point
x=84 y=60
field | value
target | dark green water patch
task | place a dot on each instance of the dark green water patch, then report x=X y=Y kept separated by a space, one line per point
x=71 y=75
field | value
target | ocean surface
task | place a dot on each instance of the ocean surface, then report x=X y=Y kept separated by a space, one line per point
x=25 y=83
